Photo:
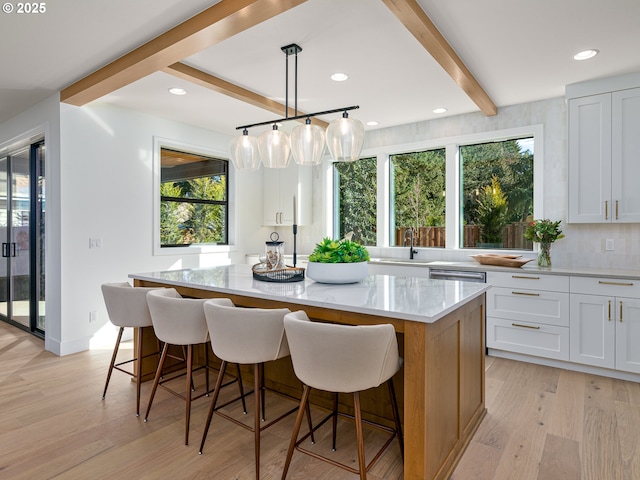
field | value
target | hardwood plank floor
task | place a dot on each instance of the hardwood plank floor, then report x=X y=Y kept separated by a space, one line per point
x=542 y=424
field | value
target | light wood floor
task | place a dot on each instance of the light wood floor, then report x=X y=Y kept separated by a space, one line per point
x=542 y=424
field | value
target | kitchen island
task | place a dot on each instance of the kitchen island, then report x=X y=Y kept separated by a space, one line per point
x=440 y=327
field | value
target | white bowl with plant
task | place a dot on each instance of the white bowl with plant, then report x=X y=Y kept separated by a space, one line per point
x=338 y=261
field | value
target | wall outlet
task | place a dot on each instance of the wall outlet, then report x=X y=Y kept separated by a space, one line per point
x=93 y=316
x=609 y=244
x=95 y=243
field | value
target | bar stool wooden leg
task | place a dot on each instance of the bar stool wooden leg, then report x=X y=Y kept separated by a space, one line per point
x=359 y=436
x=212 y=408
x=113 y=361
x=304 y=403
x=258 y=401
x=188 y=392
x=139 y=369
x=156 y=379
x=396 y=415
x=241 y=388
x=334 y=419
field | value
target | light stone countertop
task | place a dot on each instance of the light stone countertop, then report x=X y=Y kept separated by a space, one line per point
x=402 y=297
x=530 y=267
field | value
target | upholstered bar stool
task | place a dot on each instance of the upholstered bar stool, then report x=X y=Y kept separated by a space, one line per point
x=248 y=336
x=178 y=321
x=127 y=308
x=342 y=359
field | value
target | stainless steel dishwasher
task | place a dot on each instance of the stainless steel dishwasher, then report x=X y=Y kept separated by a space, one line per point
x=461 y=275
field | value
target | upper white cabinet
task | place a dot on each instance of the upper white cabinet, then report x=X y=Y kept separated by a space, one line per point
x=604 y=157
x=281 y=185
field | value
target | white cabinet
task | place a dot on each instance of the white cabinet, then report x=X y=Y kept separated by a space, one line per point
x=604 y=157
x=281 y=185
x=528 y=313
x=605 y=323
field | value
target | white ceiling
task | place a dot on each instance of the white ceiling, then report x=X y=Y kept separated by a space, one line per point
x=518 y=50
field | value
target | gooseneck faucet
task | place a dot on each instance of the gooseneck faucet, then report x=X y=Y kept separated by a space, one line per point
x=412 y=251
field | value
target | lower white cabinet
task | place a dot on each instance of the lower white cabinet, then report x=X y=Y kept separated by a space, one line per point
x=529 y=314
x=548 y=341
x=605 y=331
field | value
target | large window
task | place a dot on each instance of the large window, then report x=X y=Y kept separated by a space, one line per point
x=473 y=191
x=355 y=189
x=193 y=199
x=497 y=194
x=418 y=198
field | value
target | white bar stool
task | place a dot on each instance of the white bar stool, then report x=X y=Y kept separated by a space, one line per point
x=127 y=308
x=179 y=321
x=342 y=359
x=247 y=336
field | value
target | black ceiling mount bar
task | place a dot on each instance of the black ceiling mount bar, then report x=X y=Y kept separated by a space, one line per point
x=298 y=117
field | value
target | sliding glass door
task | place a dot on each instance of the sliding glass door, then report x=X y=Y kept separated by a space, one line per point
x=22 y=210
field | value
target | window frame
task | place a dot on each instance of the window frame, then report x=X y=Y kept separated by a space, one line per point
x=194 y=249
x=452 y=195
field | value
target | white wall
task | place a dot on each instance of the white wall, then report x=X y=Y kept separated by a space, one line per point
x=107 y=193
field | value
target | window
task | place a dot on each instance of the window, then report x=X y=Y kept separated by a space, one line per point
x=355 y=190
x=497 y=194
x=473 y=191
x=418 y=197
x=193 y=199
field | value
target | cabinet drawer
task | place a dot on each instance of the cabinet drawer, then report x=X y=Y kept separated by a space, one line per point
x=613 y=287
x=547 y=341
x=533 y=281
x=520 y=304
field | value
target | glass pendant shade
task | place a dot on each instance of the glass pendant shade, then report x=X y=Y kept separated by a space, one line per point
x=345 y=137
x=274 y=148
x=244 y=152
x=307 y=144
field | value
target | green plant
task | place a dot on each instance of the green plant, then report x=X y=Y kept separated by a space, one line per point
x=492 y=211
x=543 y=231
x=338 y=251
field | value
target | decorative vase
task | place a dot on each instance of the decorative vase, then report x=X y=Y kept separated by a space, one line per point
x=337 y=272
x=544 y=255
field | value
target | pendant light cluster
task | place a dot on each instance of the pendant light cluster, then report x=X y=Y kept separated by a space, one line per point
x=344 y=136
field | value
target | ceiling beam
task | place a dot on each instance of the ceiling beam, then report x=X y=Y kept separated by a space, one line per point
x=219 y=22
x=219 y=85
x=420 y=25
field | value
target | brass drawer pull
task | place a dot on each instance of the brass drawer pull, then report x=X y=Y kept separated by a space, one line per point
x=606 y=209
x=609 y=310
x=620 y=312
x=526 y=293
x=526 y=278
x=619 y=284
x=616 y=209
x=525 y=326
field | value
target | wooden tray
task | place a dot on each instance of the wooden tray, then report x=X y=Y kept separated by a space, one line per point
x=501 y=260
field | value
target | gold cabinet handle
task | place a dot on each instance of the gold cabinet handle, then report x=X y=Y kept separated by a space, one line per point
x=525 y=278
x=526 y=293
x=606 y=209
x=620 y=312
x=616 y=209
x=525 y=326
x=619 y=284
x=609 y=310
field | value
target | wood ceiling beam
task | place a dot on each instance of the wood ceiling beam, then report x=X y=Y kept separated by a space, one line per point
x=209 y=27
x=420 y=25
x=219 y=85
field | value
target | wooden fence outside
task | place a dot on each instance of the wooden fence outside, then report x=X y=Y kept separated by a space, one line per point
x=512 y=236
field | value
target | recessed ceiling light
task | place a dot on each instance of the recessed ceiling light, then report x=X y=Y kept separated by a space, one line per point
x=585 y=54
x=339 y=77
x=373 y=123
x=439 y=110
x=177 y=91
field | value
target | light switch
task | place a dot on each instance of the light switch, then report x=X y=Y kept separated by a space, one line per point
x=609 y=244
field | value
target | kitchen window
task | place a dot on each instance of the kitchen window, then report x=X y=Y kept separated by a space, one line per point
x=355 y=187
x=194 y=205
x=474 y=191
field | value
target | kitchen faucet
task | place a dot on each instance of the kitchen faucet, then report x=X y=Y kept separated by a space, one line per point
x=412 y=251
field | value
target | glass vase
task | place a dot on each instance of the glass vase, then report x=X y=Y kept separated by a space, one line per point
x=544 y=255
